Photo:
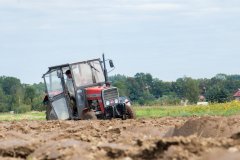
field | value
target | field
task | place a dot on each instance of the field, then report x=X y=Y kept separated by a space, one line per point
x=225 y=109
x=192 y=132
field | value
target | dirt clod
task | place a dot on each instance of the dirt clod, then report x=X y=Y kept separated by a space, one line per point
x=192 y=138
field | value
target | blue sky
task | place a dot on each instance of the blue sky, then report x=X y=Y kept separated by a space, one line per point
x=167 y=38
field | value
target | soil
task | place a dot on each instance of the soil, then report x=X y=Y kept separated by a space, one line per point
x=195 y=138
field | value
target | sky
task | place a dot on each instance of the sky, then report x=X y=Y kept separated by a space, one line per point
x=169 y=39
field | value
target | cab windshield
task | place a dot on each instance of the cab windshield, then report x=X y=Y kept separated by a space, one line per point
x=53 y=84
x=87 y=73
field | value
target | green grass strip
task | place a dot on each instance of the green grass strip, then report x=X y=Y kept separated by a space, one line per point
x=224 y=109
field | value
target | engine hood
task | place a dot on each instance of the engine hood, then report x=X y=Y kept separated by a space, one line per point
x=95 y=90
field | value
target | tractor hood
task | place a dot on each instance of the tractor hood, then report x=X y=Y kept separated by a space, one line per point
x=95 y=90
x=107 y=93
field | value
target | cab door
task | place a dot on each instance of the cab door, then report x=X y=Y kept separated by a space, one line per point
x=58 y=100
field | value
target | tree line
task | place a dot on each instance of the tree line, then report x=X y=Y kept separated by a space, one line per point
x=142 y=89
x=18 y=97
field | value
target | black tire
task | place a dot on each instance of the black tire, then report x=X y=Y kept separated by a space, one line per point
x=89 y=115
x=130 y=113
x=50 y=115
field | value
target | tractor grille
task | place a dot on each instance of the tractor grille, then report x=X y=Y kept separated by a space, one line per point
x=110 y=94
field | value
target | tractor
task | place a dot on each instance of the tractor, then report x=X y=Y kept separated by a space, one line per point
x=94 y=96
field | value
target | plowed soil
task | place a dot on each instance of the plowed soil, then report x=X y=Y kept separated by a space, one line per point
x=196 y=138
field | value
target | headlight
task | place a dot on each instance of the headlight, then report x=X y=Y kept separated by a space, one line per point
x=116 y=101
x=107 y=103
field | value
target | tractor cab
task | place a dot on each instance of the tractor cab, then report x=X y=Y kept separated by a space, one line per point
x=94 y=97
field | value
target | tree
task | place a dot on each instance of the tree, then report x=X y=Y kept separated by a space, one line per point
x=191 y=90
x=13 y=90
x=145 y=87
x=160 y=88
x=217 y=94
x=186 y=88
x=178 y=88
x=3 y=104
x=10 y=85
x=133 y=89
x=30 y=94
x=119 y=81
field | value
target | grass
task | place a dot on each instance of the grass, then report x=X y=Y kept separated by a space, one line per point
x=224 y=109
x=25 y=116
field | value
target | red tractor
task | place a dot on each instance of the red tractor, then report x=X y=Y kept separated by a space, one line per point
x=94 y=97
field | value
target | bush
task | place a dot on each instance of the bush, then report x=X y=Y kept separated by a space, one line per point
x=38 y=106
x=168 y=100
x=162 y=101
x=22 y=108
x=4 y=107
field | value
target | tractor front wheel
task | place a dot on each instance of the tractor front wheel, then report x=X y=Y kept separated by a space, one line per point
x=130 y=113
x=89 y=115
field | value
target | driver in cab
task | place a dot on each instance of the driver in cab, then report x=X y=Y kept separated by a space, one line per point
x=69 y=84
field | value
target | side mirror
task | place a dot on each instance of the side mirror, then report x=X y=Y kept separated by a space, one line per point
x=59 y=74
x=111 y=63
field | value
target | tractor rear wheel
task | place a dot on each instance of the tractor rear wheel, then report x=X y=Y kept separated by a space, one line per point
x=130 y=113
x=89 y=115
x=50 y=115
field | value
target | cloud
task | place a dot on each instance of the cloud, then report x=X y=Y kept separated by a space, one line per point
x=53 y=14
x=90 y=6
x=161 y=29
x=117 y=8
x=158 y=7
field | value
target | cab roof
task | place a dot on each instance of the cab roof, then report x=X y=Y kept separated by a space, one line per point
x=68 y=64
